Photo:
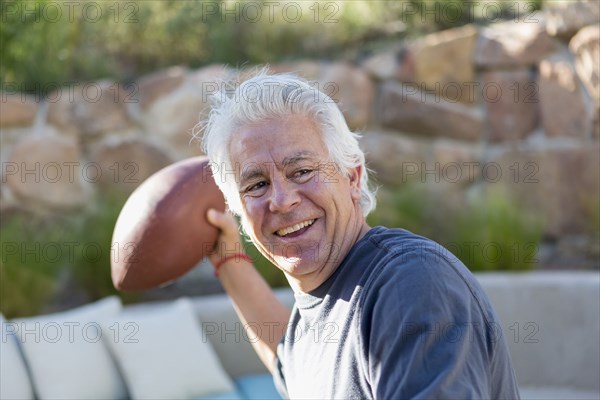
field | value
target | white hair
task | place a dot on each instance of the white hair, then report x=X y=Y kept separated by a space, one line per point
x=264 y=97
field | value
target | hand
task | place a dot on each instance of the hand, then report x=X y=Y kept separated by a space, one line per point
x=229 y=241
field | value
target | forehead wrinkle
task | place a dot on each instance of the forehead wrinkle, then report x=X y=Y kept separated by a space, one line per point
x=297 y=157
x=253 y=170
x=250 y=173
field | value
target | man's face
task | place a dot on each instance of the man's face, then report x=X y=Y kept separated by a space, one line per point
x=299 y=209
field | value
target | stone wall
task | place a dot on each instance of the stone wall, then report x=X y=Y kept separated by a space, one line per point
x=513 y=105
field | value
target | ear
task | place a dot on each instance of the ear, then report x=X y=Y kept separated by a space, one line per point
x=355 y=181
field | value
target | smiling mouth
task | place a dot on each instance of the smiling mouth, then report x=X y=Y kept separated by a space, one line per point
x=295 y=228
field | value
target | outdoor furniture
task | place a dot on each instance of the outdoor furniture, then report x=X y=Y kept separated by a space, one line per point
x=197 y=348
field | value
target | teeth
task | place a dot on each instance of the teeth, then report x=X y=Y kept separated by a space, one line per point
x=297 y=227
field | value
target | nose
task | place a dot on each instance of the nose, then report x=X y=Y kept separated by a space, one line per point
x=284 y=196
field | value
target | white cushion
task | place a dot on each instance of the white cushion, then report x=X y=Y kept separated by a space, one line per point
x=13 y=373
x=67 y=356
x=166 y=356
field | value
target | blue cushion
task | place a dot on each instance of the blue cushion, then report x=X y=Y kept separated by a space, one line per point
x=223 y=396
x=257 y=387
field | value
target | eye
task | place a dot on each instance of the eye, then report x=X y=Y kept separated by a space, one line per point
x=302 y=175
x=256 y=189
x=303 y=171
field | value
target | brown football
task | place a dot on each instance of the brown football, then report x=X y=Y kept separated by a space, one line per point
x=162 y=231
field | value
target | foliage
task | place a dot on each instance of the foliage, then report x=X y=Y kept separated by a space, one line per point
x=93 y=40
x=40 y=253
x=92 y=231
x=496 y=234
x=27 y=279
x=592 y=211
x=490 y=232
x=88 y=40
x=424 y=16
x=406 y=207
x=45 y=44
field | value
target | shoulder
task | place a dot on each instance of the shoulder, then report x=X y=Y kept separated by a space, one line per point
x=423 y=315
x=406 y=257
x=411 y=270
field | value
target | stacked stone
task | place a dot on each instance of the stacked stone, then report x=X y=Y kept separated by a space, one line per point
x=513 y=105
x=63 y=149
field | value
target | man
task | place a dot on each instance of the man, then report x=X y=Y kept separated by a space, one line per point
x=379 y=313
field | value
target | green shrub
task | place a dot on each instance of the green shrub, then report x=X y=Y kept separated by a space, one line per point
x=92 y=230
x=592 y=212
x=491 y=232
x=494 y=233
x=406 y=207
x=39 y=252
x=88 y=40
x=33 y=257
x=124 y=40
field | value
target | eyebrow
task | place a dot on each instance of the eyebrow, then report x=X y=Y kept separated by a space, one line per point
x=296 y=158
x=253 y=172
x=250 y=174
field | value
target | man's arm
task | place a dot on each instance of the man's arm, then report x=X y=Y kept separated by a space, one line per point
x=264 y=317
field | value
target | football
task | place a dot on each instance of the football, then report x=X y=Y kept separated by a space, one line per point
x=162 y=231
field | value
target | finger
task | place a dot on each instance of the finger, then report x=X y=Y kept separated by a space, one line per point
x=214 y=217
x=222 y=220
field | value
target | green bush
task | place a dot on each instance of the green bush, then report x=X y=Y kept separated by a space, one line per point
x=89 y=40
x=84 y=41
x=27 y=279
x=93 y=230
x=491 y=232
x=495 y=233
x=39 y=252
x=406 y=207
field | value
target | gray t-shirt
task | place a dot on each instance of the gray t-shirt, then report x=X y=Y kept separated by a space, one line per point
x=400 y=318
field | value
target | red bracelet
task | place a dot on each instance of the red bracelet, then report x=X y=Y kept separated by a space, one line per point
x=237 y=256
